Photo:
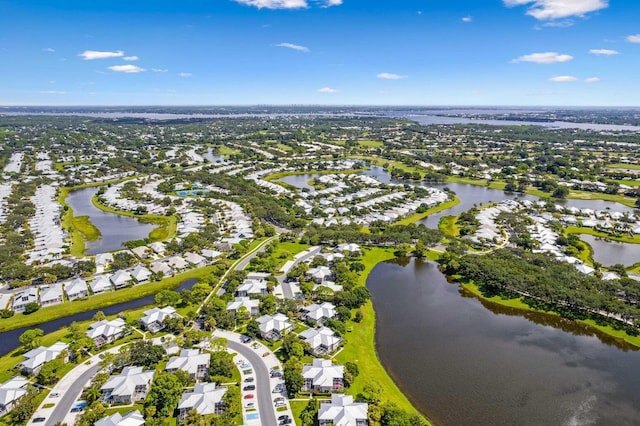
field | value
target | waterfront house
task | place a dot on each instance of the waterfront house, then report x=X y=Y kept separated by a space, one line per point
x=322 y=376
x=105 y=331
x=51 y=294
x=23 y=298
x=342 y=411
x=101 y=284
x=76 y=289
x=121 y=279
x=161 y=267
x=141 y=274
x=322 y=341
x=195 y=259
x=153 y=319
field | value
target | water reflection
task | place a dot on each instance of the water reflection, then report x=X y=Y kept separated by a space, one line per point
x=464 y=362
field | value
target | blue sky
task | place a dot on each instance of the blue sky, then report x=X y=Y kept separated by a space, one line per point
x=391 y=52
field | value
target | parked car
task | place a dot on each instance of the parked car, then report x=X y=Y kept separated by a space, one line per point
x=39 y=419
x=277 y=389
x=266 y=354
x=249 y=405
x=276 y=373
x=249 y=388
x=245 y=339
x=248 y=396
x=249 y=380
x=283 y=417
x=286 y=422
x=54 y=395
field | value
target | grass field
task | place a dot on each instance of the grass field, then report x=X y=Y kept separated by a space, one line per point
x=88 y=230
x=360 y=343
x=99 y=300
x=448 y=226
x=624 y=166
x=280 y=175
x=625 y=238
x=371 y=144
x=436 y=209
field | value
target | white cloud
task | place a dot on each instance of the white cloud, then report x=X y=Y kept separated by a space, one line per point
x=544 y=58
x=605 y=52
x=52 y=92
x=130 y=58
x=557 y=9
x=185 y=74
x=592 y=80
x=467 y=19
x=128 y=69
x=293 y=46
x=389 y=76
x=558 y=24
x=88 y=55
x=48 y=49
x=329 y=3
x=634 y=38
x=275 y=4
x=159 y=70
x=563 y=79
x=328 y=90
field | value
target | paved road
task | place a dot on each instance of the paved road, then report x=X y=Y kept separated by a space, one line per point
x=282 y=279
x=70 y=395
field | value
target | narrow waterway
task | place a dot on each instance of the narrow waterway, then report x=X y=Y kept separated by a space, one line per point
x=115 y=228
x=10 y=341
x=465 y=363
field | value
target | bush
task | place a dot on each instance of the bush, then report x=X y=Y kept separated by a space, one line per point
x=31 y=308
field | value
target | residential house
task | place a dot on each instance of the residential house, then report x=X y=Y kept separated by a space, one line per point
x=252 y=305
x=143 y=252
x=35 y=358
x=274 y=327
x=101 y=284
x=319 y=313
x=76 y=289
x=153 y=319
x=342 y=411
x=322 y=376
x=105 y=331
x=206 y=398
x=322 y=340
x=103 y=261
x=11 y=392
x=161 y=267
x=177 y=263
x=211 y=254
x=350 y=248
x=195 y=259
x=121 y=278
x=51 y=294
x=141 y=274
x=132 y=418
x=191 y=361
x=23 y=298
x=128 y=387
x=319 y=274
x=158 y=248
x=252 y=286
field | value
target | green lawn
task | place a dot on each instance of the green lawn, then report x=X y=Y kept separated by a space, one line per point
x=624 y=166
x=371 y=144
x=88 y=230
x=286 y=251
x=436 y=209
x=448 y=226
x=99 y=300
x=280 y=175
x=360 y=342
x=625 y=238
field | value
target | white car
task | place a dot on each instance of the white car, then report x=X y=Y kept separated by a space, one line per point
x=249 y=405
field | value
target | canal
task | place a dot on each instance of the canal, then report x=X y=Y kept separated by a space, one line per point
x=10 y=341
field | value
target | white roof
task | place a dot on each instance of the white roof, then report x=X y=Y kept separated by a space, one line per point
x=125 y=383
x=132 y=418
x=101 y=283
x=320 y=336
x=76 y=286
x=140 y=273
x=38 y=356
x=243 y=301
x=316 y=312
x=188 y=361
x=278 y=322
x=120 y=277
x=106 y=328
x=342 y=411
x=322 y=372
x=157 y=315
x=51 y=292
x=204 y=398
x=12 y=390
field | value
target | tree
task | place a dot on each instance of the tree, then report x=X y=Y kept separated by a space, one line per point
x=164 y=394
x=372 y=391
x=30 y=308
x=253 y=329
x=221 y=364
x=143 y=353
x=194 y=419
x=92 y=394
x=230 y=399
x=49 y=372
x=25 y=407
x=99 y=316
x=560 y=192
x=31 y=339
x=343 y=313
x=293 y=376
x=167 y=297
x=308 y=415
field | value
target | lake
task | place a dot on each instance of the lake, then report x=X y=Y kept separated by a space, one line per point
x=463 y=363
x=10 y=341
x=115 y=228
x=611 y=252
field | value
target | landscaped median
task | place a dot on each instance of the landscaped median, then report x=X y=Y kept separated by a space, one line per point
x=360 y=347
x=101 y=300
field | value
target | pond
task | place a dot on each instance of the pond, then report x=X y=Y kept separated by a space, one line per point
x=209 y=155
x=464 y=363
x=609 y=252
x=300 y=181
x=10 y=341
x=115 y=228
